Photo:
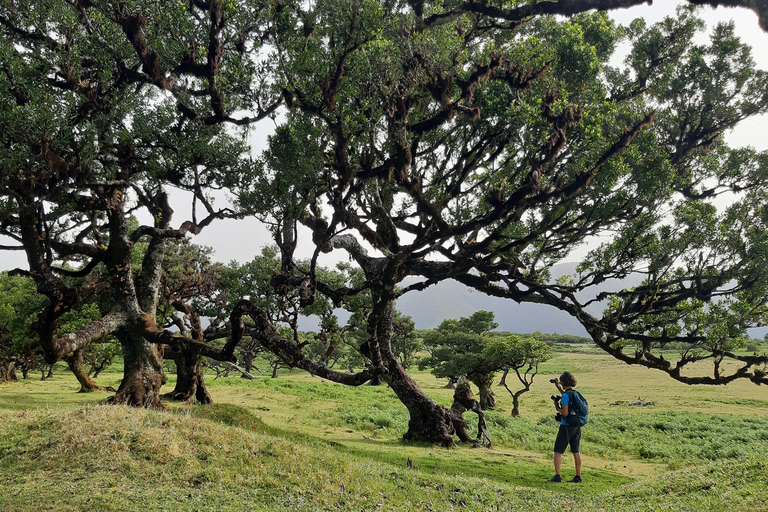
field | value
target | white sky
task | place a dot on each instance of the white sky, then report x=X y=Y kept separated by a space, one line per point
x=242 y=240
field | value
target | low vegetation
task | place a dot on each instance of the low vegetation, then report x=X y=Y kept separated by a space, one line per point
x=301 y=443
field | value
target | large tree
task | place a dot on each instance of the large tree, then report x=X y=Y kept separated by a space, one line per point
x=106 y=108
x=485 y=143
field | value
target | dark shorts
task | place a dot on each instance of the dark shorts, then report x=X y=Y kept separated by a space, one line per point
x=568 y=435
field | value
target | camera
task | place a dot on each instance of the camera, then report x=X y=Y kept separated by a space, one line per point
x=556 y=401
x=553 y=381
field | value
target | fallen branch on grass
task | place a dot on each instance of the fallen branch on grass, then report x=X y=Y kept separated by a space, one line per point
x=639 y=401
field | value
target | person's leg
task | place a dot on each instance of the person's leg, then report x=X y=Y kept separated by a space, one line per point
x=575 y=441
x=558 y=462
x=560 y=444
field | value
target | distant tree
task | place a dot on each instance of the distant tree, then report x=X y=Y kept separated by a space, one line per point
x=456 y=349
x=261 y=282
x=519 y=354
x=189 y=291
x=555 y=338
x=19 y=306
x=100 y=355
x=405 y=342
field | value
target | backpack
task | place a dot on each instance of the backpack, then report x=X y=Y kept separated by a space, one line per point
x=578 y=409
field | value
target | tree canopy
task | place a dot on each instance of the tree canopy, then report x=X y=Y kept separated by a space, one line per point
x=521 y=355
x=456 y=350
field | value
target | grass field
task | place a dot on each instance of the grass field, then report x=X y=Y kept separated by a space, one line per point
x=301 y=443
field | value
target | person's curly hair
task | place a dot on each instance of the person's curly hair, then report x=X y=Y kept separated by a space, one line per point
x=567 y=379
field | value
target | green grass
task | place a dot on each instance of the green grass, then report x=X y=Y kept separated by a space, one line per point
x=301 y=443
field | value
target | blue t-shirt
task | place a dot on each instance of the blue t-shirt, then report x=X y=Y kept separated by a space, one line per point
x=565 y=399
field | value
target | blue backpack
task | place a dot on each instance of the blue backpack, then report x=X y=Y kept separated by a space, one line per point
x=578 y=409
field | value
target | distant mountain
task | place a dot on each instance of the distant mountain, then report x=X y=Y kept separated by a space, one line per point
x=450 y=299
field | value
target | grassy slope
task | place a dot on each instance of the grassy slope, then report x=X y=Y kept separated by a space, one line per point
x=299 y=443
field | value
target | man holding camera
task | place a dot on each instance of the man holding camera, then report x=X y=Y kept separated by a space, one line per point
x=567 y=434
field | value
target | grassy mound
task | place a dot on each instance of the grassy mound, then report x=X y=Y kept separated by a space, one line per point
x=222 y=457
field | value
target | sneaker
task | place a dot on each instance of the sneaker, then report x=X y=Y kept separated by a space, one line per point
x=556 y=478
x=575 y=480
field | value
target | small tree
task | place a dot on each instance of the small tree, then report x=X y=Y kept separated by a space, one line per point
x=405 y=342
x=456 y=348
x=523 y=355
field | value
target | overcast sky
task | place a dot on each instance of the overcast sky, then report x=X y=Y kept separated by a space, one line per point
x=242 y=240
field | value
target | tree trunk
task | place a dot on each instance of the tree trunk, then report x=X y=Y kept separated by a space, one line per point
x=8 y=373
x=516 y=396
x=516 y=404
x=190 y=380
x=76 y=364
x=274 y=371
x=484 y=382
x=503 y=381
x=452 y=382
x=248 y=358
x=377 y=381
x=464 y=401
x=50 y=371
x=97 y=371
x=143 y=373
x=429 y=422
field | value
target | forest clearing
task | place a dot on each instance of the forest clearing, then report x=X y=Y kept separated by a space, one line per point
x=302 y=443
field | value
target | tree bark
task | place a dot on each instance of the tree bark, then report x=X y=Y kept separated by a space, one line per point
x=76 y=364
x=97 y=370
x=516 y=404
x=248 y=358
x=503 y=381
x=190 y=379
x=484 y=382
x=143 y=373
x=377 y=381
x=429 y=422
x=8 y=373
x=464 y=401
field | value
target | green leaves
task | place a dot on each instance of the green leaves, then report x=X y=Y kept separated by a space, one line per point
x=516 y=352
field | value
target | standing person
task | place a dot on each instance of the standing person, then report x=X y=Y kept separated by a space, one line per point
x=567 y=434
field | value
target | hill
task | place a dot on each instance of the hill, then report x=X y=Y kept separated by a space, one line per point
x=451 y=299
